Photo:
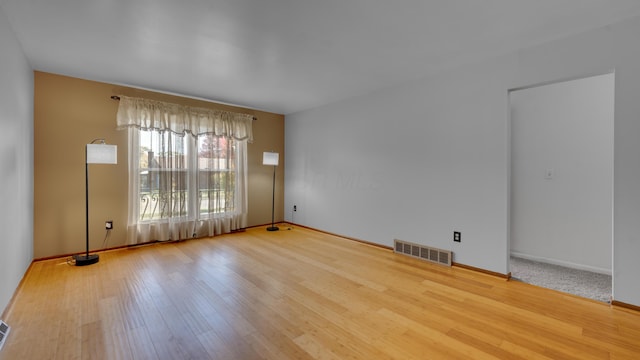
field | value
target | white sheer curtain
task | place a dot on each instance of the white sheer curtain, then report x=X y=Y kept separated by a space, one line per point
x=187 y=170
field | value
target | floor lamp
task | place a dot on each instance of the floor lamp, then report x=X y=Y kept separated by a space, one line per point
x=271 y=158
x=99 y=153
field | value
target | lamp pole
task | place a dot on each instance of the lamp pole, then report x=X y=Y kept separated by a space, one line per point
x=86 y=259
x=273 y=202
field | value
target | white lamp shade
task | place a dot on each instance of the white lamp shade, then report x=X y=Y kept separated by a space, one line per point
x=270 y=158
x=102 y=154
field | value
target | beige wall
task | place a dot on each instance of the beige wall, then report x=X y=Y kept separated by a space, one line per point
x=69 y=113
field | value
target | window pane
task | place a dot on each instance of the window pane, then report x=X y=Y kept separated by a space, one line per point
x=163 y=175
x=216 y=174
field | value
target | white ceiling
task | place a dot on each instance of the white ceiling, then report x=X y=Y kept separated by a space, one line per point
x=286 y=55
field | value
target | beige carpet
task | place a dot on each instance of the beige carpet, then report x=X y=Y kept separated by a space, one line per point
x=578 y=282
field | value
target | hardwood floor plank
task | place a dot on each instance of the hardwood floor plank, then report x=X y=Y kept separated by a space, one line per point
x=69 y=339
x=140 y=344
x=326 y=329
x=299 y=294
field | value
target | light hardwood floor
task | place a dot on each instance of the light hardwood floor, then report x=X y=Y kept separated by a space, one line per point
x=299 y=294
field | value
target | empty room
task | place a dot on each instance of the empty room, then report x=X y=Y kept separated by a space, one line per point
x=275 y=179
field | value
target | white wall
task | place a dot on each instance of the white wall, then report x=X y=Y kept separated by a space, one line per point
x=562 y=173
x=16 y=163
x=408 y=163
x=418 y=161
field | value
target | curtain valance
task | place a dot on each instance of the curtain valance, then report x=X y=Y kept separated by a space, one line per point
x=149 y=114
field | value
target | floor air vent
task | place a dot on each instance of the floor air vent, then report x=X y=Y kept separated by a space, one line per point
x=4 y=332
x=427 y=253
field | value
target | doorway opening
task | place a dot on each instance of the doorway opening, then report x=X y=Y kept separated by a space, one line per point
x=561 y=186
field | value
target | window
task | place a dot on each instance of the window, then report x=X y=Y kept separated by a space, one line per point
x=165 y=175
x=187 y=174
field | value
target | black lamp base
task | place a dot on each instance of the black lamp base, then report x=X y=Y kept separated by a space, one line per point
x=82 y=260
x=273 y=228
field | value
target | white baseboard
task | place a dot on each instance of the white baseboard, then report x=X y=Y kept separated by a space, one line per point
x=561 y=263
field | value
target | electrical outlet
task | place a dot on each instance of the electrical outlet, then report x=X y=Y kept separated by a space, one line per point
x=457 y=236
x=295 y=208
x=108 y=225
